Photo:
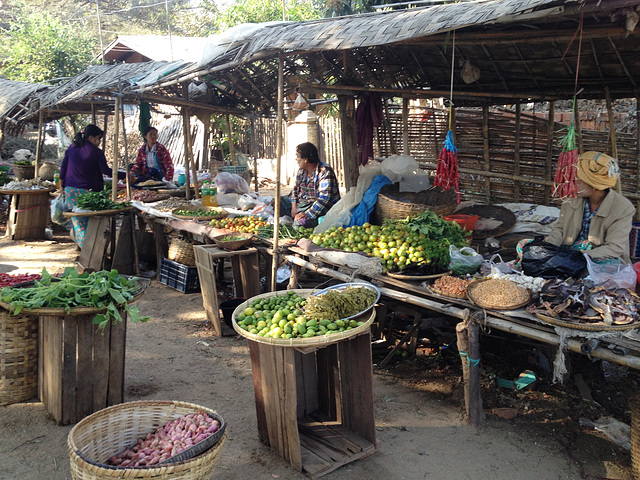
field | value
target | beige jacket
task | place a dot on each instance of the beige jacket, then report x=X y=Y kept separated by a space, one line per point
x=609 y=230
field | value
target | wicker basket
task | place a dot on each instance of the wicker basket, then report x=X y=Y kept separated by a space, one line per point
x=24 y=172
x=181 y=251
x=18 y=357
x=233 y=244
x=97 y=437
x=395 y=205
x=634 y=405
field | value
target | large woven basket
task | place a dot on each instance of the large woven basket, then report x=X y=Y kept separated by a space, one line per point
x=181 y=251
x=395 y=205
x=18 y=357
x=634 y=405
x=107 y=432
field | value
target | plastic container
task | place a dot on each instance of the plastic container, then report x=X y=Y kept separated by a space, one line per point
x=465 y=221
x=228 y=307
x=179 y=277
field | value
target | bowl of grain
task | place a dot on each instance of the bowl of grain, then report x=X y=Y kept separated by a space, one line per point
x=498 y=294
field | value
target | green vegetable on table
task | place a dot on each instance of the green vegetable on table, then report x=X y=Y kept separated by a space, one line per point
x=285 y=231
x=98 y=201
x=4 y=178
x=102 y=289
x=197 y=213
x=23 y=163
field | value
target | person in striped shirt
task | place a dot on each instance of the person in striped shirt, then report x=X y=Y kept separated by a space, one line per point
x=316 y=189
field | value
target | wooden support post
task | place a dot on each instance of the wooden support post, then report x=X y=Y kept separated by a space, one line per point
x=104 y=127
x=206 y=122
x=93 y=114
x=637 y=152
x=405 y=126
x=114 y=164
x=39 y=146
x=468 y=333
x=279 y=149
x=253 y=154
x=516 y=156
x=126 y=154
x=548 y=161
x=612 y=133
x=232 y=148
x=487 y=154
x=349 y=143
x=295 y=275
x=188 y=154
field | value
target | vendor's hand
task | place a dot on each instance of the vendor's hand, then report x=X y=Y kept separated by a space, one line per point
x=300 y=216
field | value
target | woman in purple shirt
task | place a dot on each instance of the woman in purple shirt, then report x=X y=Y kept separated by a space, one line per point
x=82 y=169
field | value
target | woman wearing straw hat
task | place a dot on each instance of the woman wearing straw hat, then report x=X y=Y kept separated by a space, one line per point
x=598 y=221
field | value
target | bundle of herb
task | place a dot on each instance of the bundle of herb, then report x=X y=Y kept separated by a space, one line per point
x=97 y=201
x=103 y=289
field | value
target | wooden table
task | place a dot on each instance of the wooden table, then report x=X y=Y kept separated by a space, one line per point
x=102 y=233
x=315 y=409
x=28 y=213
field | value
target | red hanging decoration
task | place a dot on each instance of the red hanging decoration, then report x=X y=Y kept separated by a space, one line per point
x=447 y=174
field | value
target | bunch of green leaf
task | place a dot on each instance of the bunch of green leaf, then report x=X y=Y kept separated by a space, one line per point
x=97 y=201
x=4 y=178
x=434 y=227
x=104 y=290
x=23 y=163
x=285 y=231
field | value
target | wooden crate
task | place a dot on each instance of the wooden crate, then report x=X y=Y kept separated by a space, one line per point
x=80 y=370
x=28 y=215
x=245 y=266
x=316 y=408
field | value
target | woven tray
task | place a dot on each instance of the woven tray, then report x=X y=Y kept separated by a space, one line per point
x=25 y=191
x=395 y=205
x=94 y=439
x=479 y=302
x=233 y=244
x=75 y=311
x=217 y=214
x=589 y=327
x=99 y=213
x=321 y=340
x=484 y=212
x=155 y=198
x=437 y=291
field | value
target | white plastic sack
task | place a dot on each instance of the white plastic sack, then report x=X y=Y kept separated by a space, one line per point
x=227 y=200
x=340 y=213
x=369 y=266
x=612 y=275
x=246 y=202
x=405 y=170
x=231 y=183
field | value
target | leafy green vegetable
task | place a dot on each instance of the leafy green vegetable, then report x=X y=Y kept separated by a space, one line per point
x=97 y=201
x=4 y=178
x=103 y=289
x=285 y=231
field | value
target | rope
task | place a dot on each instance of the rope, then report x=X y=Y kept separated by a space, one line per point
x=471 y=362
x=32 y=207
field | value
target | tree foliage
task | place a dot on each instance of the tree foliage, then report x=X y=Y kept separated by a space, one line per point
x=38 y=47
x=258 y=11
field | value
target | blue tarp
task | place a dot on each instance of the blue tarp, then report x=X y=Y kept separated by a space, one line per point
x=360 y=213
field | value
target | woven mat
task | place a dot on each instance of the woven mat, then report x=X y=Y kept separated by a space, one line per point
x=493 y=212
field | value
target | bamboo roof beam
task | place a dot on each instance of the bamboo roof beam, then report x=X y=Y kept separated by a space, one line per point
x=496 y=68
x=622 y=64
x=526 y=65
x=250 y=82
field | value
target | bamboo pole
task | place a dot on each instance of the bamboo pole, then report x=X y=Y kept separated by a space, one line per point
x=104 y=127
x=638 y=152
x=126 y=157
x=188 y=158
x=487 y=159
x=232 y=148
x=93 y=114
x=469 y=347
x=612 y=133
x=516 y=152
x=578 y=126
x=549 y=159
x=279 y=148
x=114 y=163
x=39 y=144
x=405 y=126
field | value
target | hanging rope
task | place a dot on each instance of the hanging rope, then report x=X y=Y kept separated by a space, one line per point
x=447 y=174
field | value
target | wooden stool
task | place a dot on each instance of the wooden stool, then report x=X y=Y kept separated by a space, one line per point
x=246 y=277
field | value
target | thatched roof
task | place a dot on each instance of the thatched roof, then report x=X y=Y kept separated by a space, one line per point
x=524 y=49
x=14 y=97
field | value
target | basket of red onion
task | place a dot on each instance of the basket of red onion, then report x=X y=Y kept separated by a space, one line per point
x=147 y=440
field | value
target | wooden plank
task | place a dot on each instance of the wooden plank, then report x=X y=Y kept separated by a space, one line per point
x=52 y=368
x=250 y=274
x=117 y=346
x=328 y=391
x=208 y=288
x=237 y=277
x=123 y=257
x=309 y=383
x=162 y=246
x=254 y=352
x=322 y=433
x=69 y=364
x=84 y=369
x=312 y=462
x=270 y=396
x=41 y=337
x=289 y=417
x=101 y=368
x=356 y=381
x=95 y=243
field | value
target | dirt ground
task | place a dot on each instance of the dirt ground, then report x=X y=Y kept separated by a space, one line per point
x=420 y=425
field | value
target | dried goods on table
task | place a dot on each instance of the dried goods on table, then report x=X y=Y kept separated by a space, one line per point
x=573 y=301
x=498 y=294
x=451 y=286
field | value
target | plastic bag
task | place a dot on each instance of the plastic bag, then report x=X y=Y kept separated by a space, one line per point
x=231 y=183
x=58 y=206
x=612 y=275
x=246 y=202
x=464 y=260
x=542 y=259
x=405 y=170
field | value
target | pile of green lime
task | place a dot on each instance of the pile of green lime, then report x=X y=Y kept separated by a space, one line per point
x=281 y=316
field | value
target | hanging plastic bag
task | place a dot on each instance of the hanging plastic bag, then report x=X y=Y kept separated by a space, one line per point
x=231 y=183
x=464 y=260
x=542 y=259
x=612 y=275
x=58 y=206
